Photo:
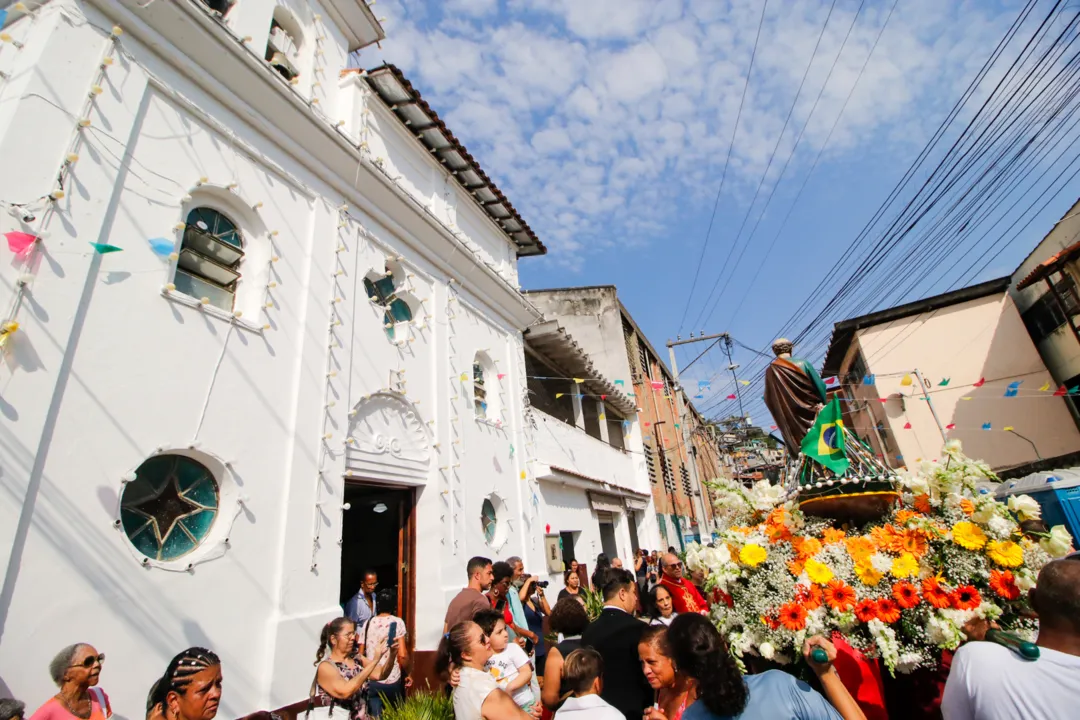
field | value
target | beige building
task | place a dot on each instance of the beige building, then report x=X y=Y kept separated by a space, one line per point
x=941 y=368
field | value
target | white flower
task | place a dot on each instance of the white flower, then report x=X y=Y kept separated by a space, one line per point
x=999 y=527
x=881 y=563
x=1059 y=544
x=782 y=659
x=1025 y=507
x=908 y=661
x=915 y=482
x=952 y=447
x=1025 y=579
x=983 y=512
x=885 y=639
x=766 y=650
x=765 y=496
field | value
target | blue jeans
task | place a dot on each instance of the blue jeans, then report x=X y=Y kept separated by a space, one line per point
x=392 y=692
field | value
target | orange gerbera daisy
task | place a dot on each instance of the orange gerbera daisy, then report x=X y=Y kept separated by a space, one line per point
x=796 y=566
x=967 y=507
x=806 y=546
x=966 y=597
x=902 y=516
x=922 y=503
x=866 y=610
x=888 y=611
x=832 y=535
x=912 y=541
x=793 y=616
x=934 y=594
x=859 y=548
x=809 y=596
x=839 y=596
x=1003 y=583
x=777 y=533
x=905 y=594
x=885 y=538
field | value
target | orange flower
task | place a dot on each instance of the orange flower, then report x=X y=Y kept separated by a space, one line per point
x=793 y=616
x=902 y=516
x=795 y=566
x=912 y=541
x=832 y=535
x=888 y=611
x=866 y=610
x=884 y=537
x=839 y=596
x=770 y=622
x=806 y=546
x=1003 y=583
x=967 y=507
x=859 y=548
x=922 y=503
x=905 y=594
x=777 y=533
x=966 y=597
x=934 y=594
x=808 y=596
x=776 y=516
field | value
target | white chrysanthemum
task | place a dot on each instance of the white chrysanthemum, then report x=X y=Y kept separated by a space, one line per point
x=881 y=563
x=983 y=512
x=909 y=661
x=999 y=527
x=1025 y=507
x=1059 y=544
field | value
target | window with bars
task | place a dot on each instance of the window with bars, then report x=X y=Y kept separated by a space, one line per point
x=210 y=255
x=665 y=469
x=1045 y=315
x=686 y=481
x=643 y=357
x=631 y=355
x=480 y=405
x=650 y=464
x=667 y=386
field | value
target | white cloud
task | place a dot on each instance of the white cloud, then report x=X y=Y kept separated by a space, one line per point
x=601 y=119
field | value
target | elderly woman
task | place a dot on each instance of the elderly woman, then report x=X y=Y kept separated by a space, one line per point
x=11 y=709
x=568 y=619
x=76 y=670
x=339 y=679
x=466 y=649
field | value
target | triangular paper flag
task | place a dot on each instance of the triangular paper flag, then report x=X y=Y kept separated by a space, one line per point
x=1060 y=391
x=522 y=474
x=161 y=246
x=647 y=424
x=731 y=397
x=603 y=397
x=1074 y=389
x=1044 y=387
x=745 y=382
x=966 y=397
x=868 y=380
x=907 y=426
x=986 y=426
x=657 y=385
x=1007 y=428
x=464 y=377
x=830 y=381
x=511 y=449
x=676 y=425
x=950 y=426
x=944 y=382
x=3 y=17
x=105 y=248
x=19 y=242
x=883 y=400
x=899 y=457
x=501 y=375
x=1011 y=391
x=699 y=397
x=620 y=383
x=772 y=427
x=579 y=380
x=979 y=383
x=559 y=395
x=702 y=384
x=906 y=381
x=603 y=416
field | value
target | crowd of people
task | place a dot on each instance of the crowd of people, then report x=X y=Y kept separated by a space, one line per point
x=652 y=653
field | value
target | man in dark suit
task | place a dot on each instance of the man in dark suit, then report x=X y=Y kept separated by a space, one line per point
x=615 y=635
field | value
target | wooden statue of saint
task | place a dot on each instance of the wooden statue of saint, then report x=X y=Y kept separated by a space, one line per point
x=794 y=393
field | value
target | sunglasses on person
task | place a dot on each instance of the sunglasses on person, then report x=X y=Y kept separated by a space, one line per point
x=89 y=661
x=674 y=565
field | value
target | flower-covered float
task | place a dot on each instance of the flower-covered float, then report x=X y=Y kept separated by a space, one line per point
x=900 y=587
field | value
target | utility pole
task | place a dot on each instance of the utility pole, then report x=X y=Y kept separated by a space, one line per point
x=695 y=481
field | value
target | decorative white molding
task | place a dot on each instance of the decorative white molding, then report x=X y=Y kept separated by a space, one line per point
x=390 y=441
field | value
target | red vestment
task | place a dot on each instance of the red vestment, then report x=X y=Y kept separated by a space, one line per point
x=684 y=596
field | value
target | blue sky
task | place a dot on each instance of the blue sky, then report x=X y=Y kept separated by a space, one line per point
x=607 y=123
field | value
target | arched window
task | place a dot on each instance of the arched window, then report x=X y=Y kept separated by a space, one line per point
x=170 y=507
x=480 y=395
x=210 y=256
x=383 y=290
x=283 y=47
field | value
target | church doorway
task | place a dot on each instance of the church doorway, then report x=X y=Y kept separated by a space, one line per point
x=379 y=534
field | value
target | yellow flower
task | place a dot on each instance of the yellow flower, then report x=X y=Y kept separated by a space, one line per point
x=1005 y=553
x=753 y=555
x=818 y=571
x=968 y=535
x=905 y=566
x=867 y=574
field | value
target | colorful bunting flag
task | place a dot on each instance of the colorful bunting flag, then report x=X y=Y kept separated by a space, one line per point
x=966 y=397
x=772 y=427
x=3 y=17
x=501 y=376
x=20 y=242
x=579 y=380
x=979 y=383
x=830 y=381
x=699 y=397
x=511 y=449
x=907 y=426
x=559 y=395
x=868 y=379
x=883 y=400
x=603 y=397
x=986 y=426
x=464 y=377
x=703 y=384
x=731 y=397
x=603 y=416
x=522 y=474
x=1007 y=428
x=1060 y=391
x=950 y=426
x=676 y=426
x=944 y=382
x=1013 y=389
x=899 y=457
x=162 y=246
x=620 y=383
x=1044 y=387
x=105 y=248
x=745 y=382
x=1074 y=389
x=657 y=385
x=906 y=381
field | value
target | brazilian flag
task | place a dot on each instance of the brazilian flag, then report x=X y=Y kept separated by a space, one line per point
x=825 y=441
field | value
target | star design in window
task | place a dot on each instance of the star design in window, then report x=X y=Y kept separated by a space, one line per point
x=170 y=507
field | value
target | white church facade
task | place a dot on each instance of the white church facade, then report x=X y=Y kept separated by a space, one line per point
x=262 y=328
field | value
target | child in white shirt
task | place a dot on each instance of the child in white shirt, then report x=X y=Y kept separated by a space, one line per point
x=510 y=666
x=582 y=674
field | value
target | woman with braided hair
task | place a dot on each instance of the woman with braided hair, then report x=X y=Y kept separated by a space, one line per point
x=190 y=689
x=339 y=690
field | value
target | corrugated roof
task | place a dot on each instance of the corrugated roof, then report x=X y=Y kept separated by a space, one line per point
x=844 y=331
x=405 y=102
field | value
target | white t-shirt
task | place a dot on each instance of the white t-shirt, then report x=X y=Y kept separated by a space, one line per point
x=991 y=682
x=504 y=666
x=473 y=688
x=587 y=707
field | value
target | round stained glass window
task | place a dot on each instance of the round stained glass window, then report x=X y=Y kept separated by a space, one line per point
x=489 y=521
x=168 y=510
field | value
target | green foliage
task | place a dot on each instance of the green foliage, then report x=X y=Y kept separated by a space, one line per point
x=421 y=706
x=594 y=603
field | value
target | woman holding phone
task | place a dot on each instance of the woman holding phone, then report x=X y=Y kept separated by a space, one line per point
x=385 y=627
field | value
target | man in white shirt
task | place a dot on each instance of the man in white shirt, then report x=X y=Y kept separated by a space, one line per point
x=990 y=682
